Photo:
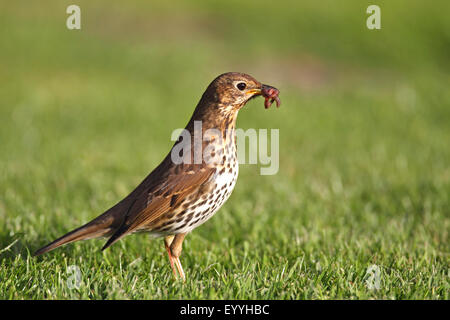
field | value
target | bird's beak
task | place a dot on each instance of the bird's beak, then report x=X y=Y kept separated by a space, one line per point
x=260 y=91
x=269 y=93
x=255 y=92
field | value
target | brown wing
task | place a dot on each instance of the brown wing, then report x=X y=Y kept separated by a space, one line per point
x=160 y=196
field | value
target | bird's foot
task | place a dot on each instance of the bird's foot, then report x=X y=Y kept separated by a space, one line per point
x=174 y=260
x=180 y=269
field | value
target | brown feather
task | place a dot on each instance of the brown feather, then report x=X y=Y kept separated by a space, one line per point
x=140 y=217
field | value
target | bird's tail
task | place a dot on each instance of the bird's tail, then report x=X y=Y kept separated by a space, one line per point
x=104 y=225
x=101 y=226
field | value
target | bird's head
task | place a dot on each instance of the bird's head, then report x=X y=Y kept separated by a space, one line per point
x=231 y=91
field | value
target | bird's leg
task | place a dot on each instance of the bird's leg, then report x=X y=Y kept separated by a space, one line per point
x=175 y=248
x=167 y=242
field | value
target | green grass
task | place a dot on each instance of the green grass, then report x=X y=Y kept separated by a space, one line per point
x=364 y=173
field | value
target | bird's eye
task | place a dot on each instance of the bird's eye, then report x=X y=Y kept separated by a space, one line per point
x=241 y=86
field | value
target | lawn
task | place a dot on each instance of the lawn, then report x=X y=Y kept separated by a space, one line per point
x=360 y=206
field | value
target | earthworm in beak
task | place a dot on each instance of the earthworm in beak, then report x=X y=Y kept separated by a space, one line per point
x=270 y=95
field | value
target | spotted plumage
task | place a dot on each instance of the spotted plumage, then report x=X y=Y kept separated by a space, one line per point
x=178 y=196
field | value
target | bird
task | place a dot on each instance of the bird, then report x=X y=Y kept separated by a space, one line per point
x=188 y=187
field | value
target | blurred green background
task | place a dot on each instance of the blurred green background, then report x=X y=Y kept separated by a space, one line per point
x=364 y=173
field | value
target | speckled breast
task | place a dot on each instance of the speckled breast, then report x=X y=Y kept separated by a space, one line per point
x=198 y=208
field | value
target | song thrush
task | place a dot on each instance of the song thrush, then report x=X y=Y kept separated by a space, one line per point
x=189 y=186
